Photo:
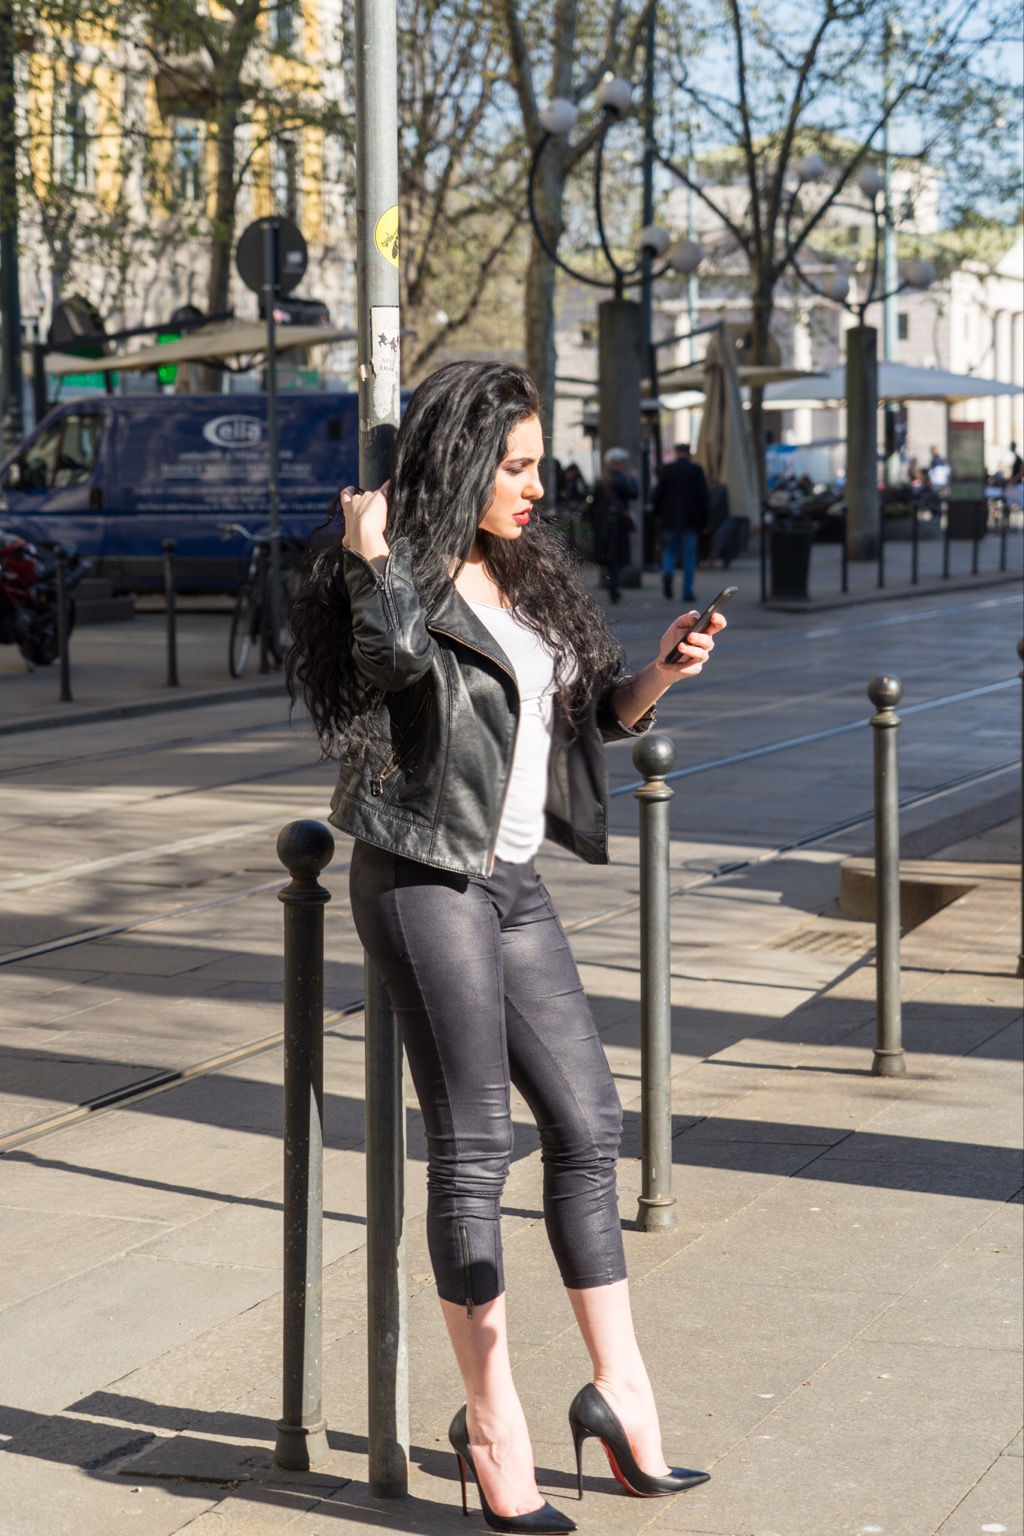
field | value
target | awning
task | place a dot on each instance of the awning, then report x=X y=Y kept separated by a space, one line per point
x=896 y=381
x=210 y=344
x=750 y=375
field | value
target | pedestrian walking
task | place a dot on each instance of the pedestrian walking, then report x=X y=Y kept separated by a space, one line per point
x=682 y=507
x=449 y=654
x=613 y=521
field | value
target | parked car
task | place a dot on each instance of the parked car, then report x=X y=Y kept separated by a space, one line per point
x=116 y=475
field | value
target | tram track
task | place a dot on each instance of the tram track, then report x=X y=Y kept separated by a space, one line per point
x=736 y=645
x=237 y=831
x=165 y=1080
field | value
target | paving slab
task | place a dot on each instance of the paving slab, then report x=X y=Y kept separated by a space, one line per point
x=994 y=1505
x=39 y=1496
x=885 y=1436
x=104 y=1321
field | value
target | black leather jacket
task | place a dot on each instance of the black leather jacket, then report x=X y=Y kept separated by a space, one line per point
x=447 y=698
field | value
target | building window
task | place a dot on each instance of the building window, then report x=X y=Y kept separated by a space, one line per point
x=903 y=326
x=72 y=141
x=283 y=23
x=188 y=161
x=285 y=178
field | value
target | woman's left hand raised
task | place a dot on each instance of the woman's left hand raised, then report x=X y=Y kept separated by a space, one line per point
x=695 y=651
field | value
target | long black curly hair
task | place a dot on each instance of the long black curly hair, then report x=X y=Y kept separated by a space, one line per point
x=451 y=442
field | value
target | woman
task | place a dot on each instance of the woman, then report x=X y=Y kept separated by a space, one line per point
x=455 y=663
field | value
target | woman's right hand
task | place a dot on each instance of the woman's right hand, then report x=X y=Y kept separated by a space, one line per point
x=366 y=516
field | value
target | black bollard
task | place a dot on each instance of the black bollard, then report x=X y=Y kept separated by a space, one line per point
x=1004 y=523
x=844 y=559
x=172 y=614
x=913 y=547
x=766 y=519
x=304 y=848
x=1020 y=957
x=654 y=757
x=387 y=1339
x=885 y=693
x=881 y=547
x=945 y=546
x=63 y=626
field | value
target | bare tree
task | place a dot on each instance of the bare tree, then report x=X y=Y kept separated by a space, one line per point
x=769 y=83
x=459 y=155
x=561 y=48
x=215 y=64
x=83 y=154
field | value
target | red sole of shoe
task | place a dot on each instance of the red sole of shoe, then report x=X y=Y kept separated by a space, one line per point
x=620 y=1479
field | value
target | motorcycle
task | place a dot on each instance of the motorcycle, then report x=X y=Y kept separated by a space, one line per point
x=28 y=596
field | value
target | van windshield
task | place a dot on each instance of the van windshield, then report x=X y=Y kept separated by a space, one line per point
x=65 y=453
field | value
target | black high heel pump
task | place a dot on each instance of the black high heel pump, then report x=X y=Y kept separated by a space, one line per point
x=589 y=1414
x=546 y=1521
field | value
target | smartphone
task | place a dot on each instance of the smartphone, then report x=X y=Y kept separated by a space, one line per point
x=721 y=601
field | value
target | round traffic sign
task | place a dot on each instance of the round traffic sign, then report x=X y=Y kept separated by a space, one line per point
x=292 y=255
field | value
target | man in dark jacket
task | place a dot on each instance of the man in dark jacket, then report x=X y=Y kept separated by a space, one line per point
x=681 y=507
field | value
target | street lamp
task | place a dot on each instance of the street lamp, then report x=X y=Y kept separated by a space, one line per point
x=862 y=505
x=627 y=368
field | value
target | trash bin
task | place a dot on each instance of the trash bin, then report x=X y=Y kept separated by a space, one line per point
x=967 y=519
x=789 y=544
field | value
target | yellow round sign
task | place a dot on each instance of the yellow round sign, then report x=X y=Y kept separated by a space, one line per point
x=386 y=236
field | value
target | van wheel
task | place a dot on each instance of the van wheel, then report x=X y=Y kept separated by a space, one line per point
x=243 y=628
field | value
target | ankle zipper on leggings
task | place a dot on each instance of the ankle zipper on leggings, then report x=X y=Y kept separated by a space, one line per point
x=467 y=1280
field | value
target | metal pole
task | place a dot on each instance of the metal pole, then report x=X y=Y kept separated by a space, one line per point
x=881 y=546
x=387 y=1338
x=650 y=367
x=11 y=423
x=1020 y=957
x=1003 y=526
x=172 y=614
x=945 y=544
x=40 y=392
x=654 y=757
x=304 y=848
x=913 y=548
x=262 y=597
x=844 y=560
x=272 y=608
x=376 y=104
x=766 y=522
x=862 y=441
x=885 y=693
x=63 y=627
x=890 y=254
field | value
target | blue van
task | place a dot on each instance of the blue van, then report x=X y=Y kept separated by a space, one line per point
x=116 y=475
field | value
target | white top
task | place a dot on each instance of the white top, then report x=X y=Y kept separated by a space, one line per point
x=521 y=829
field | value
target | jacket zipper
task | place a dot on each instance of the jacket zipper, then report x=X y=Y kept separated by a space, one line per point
x=393 y=761
x=509 y=673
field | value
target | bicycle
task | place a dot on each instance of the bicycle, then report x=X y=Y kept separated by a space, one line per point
x=252 y=619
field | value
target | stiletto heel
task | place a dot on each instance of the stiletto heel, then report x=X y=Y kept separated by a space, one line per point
x=589 y=1414
x=579 y=1434
x=546 y=1521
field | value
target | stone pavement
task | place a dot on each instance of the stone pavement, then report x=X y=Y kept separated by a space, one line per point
x=834 y=1325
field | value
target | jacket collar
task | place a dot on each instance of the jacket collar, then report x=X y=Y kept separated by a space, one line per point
x=451 y=615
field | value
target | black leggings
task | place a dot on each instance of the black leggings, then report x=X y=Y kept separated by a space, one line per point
x=485 y=991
